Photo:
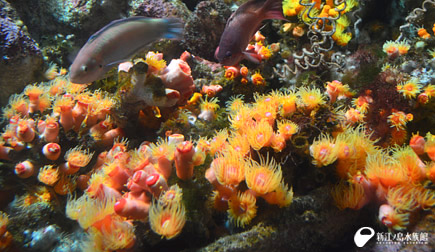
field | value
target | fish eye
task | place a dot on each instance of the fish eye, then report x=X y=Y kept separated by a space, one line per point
x=101 y=66
x=85 y=68
x=228 y=54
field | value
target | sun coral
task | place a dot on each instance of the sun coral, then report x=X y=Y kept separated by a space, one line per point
x=48 y=175
x=51 y=151
x=63 y=105
x=336 y=90
x=208 y=109
x=260 y=134
x=25 y=169
x=172 y=195
x=25 y=130
x=87 y=211
x=231 y=72
x=167 y=221
x=239 y=144
x=402 y=198
x=257 y=79
x=155 y=62
x=323 y=150
x=429 y=146
x=349 y=195
x=422 y=33
x=384 y=170
x=282 y=196
x=76 y=158
x=263 y=177
x=34 y=92
x=287 y=128
x=409 y=160
x=184 y=160
x=410 y=88
x=398 y=119
x=242 y=208
x=392 y=219
x=229 y=168
x=310 y=99
x=417 y=143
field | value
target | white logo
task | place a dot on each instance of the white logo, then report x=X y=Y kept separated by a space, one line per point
x=362 y=239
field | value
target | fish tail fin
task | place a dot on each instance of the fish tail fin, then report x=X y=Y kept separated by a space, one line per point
x=273 y=9
x=174 y=28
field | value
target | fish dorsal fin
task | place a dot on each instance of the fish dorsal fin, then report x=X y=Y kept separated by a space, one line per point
x=113 y=24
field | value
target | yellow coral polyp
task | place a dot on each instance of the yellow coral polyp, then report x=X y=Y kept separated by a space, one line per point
x=384 y=170
x=173 y=195
x=425 y=197
x=152 y=59
x=402 y=198
x=235 y=103
x=310 y=99
x=287 y=102
x=87 y=211
x=239 y=144
x=19 y=104
x=162 y=149
x=211 y=105
x=219 y=141
x=167 y=221
x=263 y=177
x=62 y=103
x=397 y=120
x=48 y=175
x=119 y=235
x=78 y=157
x=410 y=161
x=258 y=80
x=265 y=52
x=282 y=196
x=242 y=209
x=324 y=151
x=287 y=128
x=33 y=92
x=409 y=89
x=229 y=168
x=348 y=195
x=260 y=134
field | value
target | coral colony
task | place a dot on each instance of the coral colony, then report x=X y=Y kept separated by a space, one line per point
x=228 y=142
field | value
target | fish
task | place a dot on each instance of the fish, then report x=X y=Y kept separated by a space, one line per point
x=119 y=41
x=241 y=27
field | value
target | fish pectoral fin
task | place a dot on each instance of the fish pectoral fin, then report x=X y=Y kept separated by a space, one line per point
x=252 y=57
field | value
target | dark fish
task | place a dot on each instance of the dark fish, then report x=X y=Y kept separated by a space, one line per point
x=117 y=42
x=241 y=27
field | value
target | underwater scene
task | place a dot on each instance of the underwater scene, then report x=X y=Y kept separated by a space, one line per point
x=217 y=125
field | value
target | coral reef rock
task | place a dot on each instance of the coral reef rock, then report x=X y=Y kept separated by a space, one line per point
x=20 y=59
x=205 y=26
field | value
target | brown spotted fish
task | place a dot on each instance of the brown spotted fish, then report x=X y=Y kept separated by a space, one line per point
x=241 y=27
x=117 y=42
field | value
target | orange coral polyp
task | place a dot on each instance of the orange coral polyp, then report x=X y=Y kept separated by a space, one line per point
x=242 y=208
x=167 y=221
x=78 y=157
x=324 y=151
x=257 y=79
x=263 y=177
x=229 y=169
x=260 y=135
x=310 y=99
x=287 y=128
x=48 y=175
x=382 y=169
